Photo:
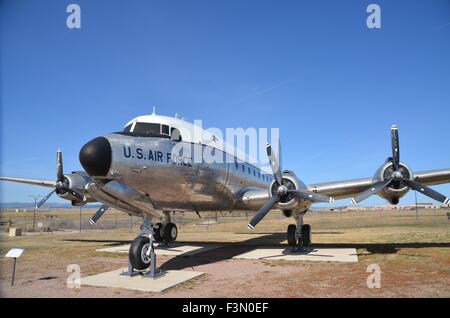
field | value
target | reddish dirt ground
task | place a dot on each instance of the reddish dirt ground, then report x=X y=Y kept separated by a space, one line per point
x=408 y=270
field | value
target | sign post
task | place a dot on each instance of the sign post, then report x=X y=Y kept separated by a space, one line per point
x=14 y=253
x=14 y=271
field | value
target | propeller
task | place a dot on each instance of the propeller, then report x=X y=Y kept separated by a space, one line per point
x=397 y=178
x=282 y=190
x=98 y=214
x=375 y=188
x=61 y=185
x=44 y=199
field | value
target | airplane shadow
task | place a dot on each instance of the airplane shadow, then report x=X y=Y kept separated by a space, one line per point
x=226 y=250
x=112 y=243
x=230 y=250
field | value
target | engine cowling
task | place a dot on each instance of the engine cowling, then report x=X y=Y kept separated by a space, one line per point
x=287 y=201
x=397 y=189
x=77 y=182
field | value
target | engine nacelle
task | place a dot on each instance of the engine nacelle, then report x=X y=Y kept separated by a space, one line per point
x=397 y=189
x=77 y=182
x=78 y=203
x=287 y=201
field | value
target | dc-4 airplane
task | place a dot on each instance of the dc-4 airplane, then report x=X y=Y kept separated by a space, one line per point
x=140 y=171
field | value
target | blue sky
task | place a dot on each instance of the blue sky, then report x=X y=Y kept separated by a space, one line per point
x=311 y=68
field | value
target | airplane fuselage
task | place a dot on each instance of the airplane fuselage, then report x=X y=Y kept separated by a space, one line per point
x=174 y=180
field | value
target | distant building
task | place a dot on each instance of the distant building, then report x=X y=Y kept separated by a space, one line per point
x=428 y=206
x=350 y=208
x=386 y=207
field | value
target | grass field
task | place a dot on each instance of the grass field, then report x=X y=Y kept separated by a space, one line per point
x=413 y=253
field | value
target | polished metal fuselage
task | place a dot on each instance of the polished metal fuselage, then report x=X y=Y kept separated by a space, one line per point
x=173 y=180
x=168 y=174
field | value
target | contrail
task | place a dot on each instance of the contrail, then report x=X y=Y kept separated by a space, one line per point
x=266 y=90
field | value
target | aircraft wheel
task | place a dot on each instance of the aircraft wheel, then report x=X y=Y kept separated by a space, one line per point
x=158 y=232
x=292 y=235
x=138 y=253
x=306 y=235
x=170 y=233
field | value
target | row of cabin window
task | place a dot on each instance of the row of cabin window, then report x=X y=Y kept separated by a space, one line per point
x=265 y=178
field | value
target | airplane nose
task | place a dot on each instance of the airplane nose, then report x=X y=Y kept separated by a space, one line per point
x=95 y=156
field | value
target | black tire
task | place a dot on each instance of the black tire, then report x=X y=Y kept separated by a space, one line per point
x=306 y=235
x=136 y=253
x=157 y=230
x=292 y=235
x=170 y=233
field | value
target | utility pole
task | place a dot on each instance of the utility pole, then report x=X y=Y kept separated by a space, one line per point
x=80 y=218
x=35 y=198
x=417 y=211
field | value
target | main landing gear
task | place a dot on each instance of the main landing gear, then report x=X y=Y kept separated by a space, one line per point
x=165 y=234
x=299 y=235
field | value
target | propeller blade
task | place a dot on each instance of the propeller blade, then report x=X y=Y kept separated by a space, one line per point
x=98 y=214
x=44 y=199
x=59 y=166
x=77 y=195
x=426 y=191
x=311 y=196
x=275 y=164
x=375 y=188
x=395 y=147
x=263 y=211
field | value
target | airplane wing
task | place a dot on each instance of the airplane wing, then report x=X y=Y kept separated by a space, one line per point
x=433 y=177
x=350 y=188
x=43 y=183
x=341 y=189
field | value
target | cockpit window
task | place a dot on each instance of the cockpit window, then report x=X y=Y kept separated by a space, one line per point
x=175 y=134
x=147 y=128
x=164 y=129
x=127 y=128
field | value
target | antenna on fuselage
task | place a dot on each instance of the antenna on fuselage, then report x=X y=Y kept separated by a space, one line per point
x=154 y=110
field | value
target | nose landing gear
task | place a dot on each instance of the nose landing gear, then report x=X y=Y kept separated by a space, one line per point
x=141 y=254
x=138 y=254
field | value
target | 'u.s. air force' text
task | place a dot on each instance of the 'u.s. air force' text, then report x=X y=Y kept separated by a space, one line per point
x=156 y=156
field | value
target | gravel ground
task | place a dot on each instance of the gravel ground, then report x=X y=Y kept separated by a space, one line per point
x=414 y=262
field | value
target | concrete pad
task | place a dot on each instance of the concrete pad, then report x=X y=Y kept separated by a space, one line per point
x=173 y=250
x=307 y=254
x=114 y=279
